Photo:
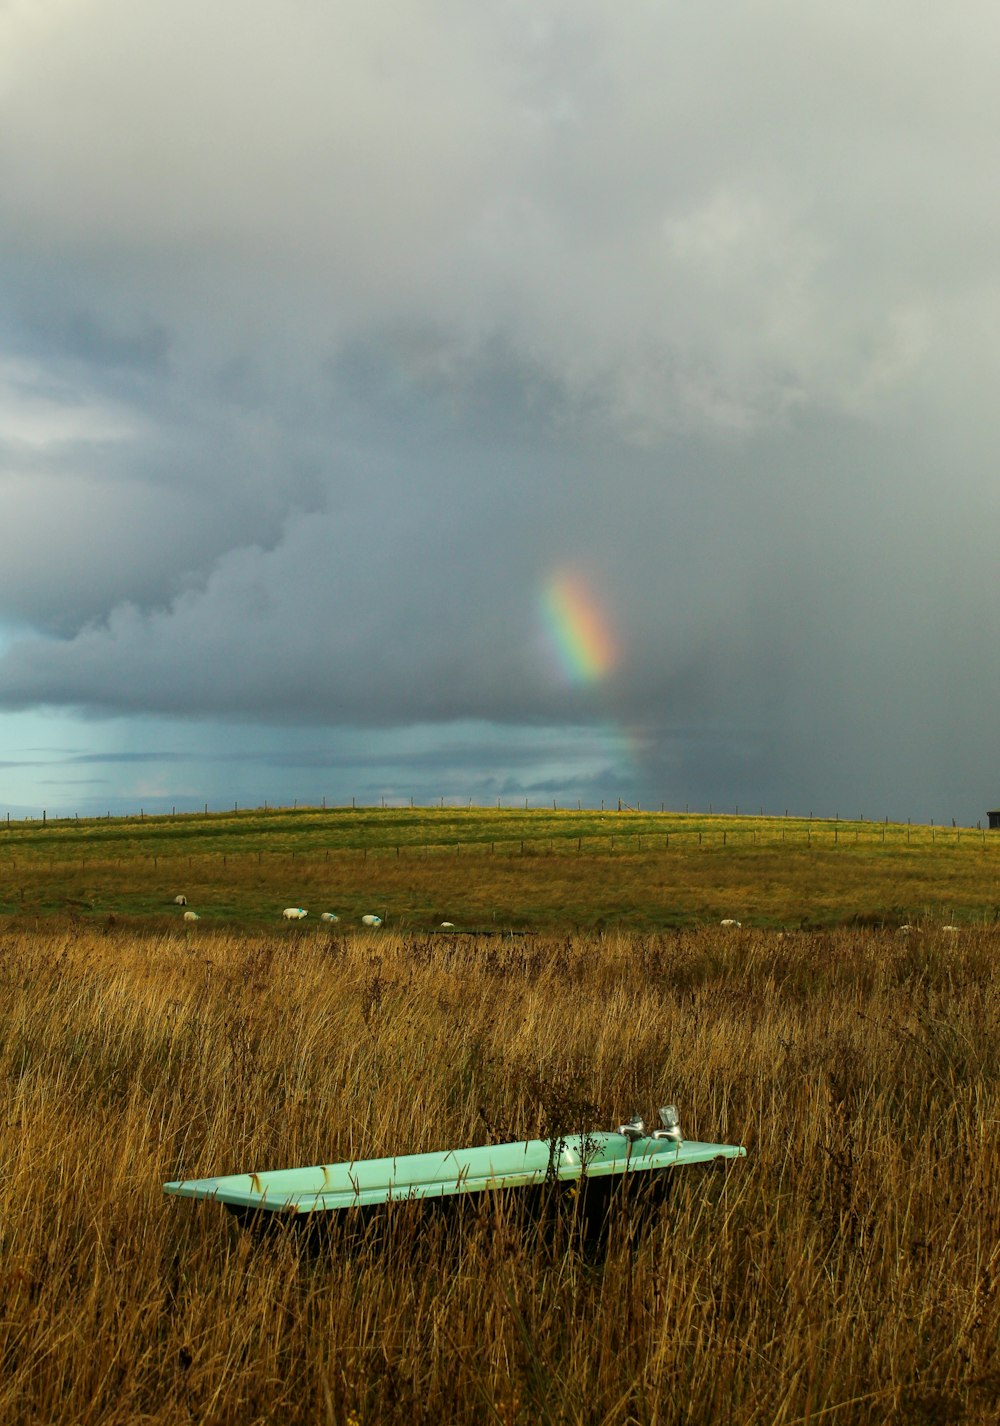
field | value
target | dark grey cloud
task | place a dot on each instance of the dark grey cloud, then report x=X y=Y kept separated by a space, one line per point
x=327 y=334
x=86 y=339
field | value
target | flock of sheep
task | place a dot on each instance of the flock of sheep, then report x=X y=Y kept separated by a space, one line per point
x=290 y=913
x=299 y=913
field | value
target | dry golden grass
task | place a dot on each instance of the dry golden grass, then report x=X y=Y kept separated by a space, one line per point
x=846 y=1272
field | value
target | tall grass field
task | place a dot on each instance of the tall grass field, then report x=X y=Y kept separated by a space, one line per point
x=846 y=1271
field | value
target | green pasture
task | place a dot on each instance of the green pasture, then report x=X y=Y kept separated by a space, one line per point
x=496 y=869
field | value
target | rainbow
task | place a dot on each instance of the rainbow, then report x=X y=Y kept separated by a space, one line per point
x=577 y=630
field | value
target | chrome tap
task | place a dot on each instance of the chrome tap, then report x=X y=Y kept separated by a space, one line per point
x=671 y=1122
x=634 y=1129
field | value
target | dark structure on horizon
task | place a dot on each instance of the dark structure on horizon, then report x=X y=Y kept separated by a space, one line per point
x=994 y=820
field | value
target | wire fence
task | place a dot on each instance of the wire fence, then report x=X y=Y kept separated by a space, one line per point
x=824 y=837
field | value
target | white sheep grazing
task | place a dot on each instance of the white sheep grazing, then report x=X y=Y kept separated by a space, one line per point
x=949 y=928
x=730 y=922
x=191 y=916
x=447 y=926
x=294 y=913
x=371 y=920
x=904 y=930
x=328 y=916
x=180 y=901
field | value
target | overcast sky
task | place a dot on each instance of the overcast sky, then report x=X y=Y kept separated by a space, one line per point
x=336 y=337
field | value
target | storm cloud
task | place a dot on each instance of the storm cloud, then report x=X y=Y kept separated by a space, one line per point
x=330 y=333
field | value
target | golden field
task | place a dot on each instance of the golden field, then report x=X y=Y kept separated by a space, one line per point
x=845 y=1272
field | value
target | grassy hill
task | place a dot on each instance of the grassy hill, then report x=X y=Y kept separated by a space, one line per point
x=496 y=869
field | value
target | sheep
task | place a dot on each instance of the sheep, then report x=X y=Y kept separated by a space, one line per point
x=730 y=922
x=328 y=916
x=447 y=926
x=180 y=901
x=371 y=920
x=949 y=928
x=294 y=913
x=191 y=916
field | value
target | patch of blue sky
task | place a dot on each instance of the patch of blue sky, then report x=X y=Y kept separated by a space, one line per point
x=67 y=765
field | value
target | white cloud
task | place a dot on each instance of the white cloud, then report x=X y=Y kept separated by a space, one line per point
x=38 y=414
x=708 y=216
